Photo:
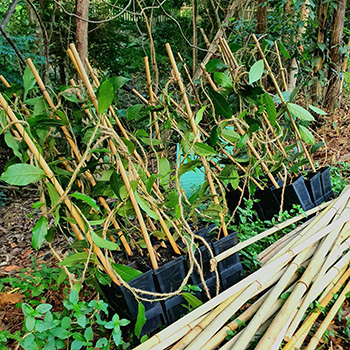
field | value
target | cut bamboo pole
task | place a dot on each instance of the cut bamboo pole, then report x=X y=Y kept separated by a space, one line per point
x=266 y=233
x=151 y=97
x=120 y=165
x=309 y=322
x=77 y=154
x=60 y=191
x=219 y=337
x=318 y=335
x=289 y=308
x=296 y=130
x=270 y=251
x=321 y=281
x=218 y=321
x=197 y=135
x=52 y=105
x=285 y=85
x=277 y=290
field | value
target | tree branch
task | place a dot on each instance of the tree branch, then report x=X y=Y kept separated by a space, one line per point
x=10 y=41
x=8 y=14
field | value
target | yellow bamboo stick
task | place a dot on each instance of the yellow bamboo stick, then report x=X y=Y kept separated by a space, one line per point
x=60 y=191
x=317 y=336
x=309 y=322
x=120 y=165
x=196 y=134
x=296 y=130
x=277 y=290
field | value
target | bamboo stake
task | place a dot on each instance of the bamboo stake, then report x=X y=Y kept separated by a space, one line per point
x=197 y=135
x=281 y=67
x=258 y=319
x=151 y=97
x=289 y=307
x=317 y=336
x=161 y=220
x=77 y=154
x=218 y=338
x=270 y=251
x=120 y=165
x=266 y=233
x=51 y=104
x=309 y=322
x=218 y=321
x=321 y=282
x=60 y=191
x=296 y=130
x=241 y=131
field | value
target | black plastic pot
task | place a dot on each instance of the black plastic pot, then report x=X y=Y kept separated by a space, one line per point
x=326 y=183
x=296 y=193
x=268 y=203
x=122 y=301
x=230 y=269
x=203 y=257
x=314 y=186
x=169 y=278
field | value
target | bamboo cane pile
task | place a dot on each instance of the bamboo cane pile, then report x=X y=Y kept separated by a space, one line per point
x=309 y=265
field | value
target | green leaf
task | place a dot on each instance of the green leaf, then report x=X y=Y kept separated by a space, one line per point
x=43 y=308
x=189 y=166
x=270 y=109
x=105 y=96
x=164 y=172
x=39 y=233
x=22 y=174
x=146 y=207
x=284 y=52
x=203 y=150
x=242 y=141
x=221 y=105
x=28 y=81
x=13 y=144
x=86 y=199
x=88 y=334
x=30 y=323
x=141 y=319
x=133 y=113
x=59 y=333
x=214 y=64
x=199 y=115
x=306 y=135
x=125 y=272
x=317 y=110
x=76 y=258
x=77 y=345
x=191 y=299
x=230 y=135
x=118 y=82
x=149 y=142
x=300 y=112
x=54 y=196
x=256 y=71
x=150 y=182
x=103 y=243
x=222 y=79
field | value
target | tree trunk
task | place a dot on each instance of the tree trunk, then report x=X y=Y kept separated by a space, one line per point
x=81 y=34
x=261 y=17
x=316 y=87
x=333 y=94
x=304 y=15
